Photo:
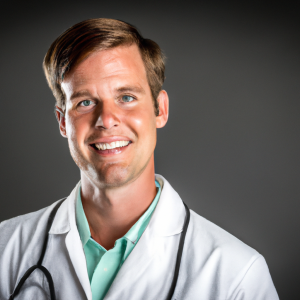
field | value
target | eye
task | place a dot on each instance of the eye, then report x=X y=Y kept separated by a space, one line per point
x=86 y=103
x=127 y=98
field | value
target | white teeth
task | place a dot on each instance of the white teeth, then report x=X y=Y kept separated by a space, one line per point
x=104 y=146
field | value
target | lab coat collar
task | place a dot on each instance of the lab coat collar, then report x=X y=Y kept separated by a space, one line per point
x=65 y=214
x=168 y=217
x=166 y=220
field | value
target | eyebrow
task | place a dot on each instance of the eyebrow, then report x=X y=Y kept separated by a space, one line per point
x=123 y=89
x=130 y=88
x=78 y=94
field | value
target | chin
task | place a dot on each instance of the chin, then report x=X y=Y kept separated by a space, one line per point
x=114 y=175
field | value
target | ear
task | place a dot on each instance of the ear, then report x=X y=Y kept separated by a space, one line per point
x=163 y=106
x=60 y=116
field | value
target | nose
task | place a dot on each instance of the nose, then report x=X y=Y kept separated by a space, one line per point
x=108 y=117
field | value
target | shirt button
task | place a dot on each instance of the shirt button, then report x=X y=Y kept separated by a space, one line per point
x=105 y=269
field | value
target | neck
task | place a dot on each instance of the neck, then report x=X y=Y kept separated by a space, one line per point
x=112 y=212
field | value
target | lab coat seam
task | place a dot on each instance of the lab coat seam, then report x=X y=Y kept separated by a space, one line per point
x=169 y=234
x=244 y=276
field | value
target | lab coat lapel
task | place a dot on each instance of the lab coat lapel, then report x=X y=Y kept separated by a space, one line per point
x=134 y=268
x=66 y=220
x=167 y=221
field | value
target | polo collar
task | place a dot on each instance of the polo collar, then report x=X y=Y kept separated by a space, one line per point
x=132 y=234
x=81 y=221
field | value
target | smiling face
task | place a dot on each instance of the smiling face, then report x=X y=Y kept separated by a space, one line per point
x=109 y=119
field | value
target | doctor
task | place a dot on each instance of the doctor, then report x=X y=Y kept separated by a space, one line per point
x=116 y=235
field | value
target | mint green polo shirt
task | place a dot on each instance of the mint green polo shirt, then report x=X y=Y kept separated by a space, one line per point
x=103 y=265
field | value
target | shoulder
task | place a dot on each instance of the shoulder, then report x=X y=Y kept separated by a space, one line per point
x=214 y=237
x=14 y=222
x=24 y=227
x=225 y=263
x=219 y=247
x=26 y=219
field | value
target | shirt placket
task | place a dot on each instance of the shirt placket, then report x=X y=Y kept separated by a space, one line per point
x=107 y=269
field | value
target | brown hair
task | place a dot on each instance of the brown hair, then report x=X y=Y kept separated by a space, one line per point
x=86 y=37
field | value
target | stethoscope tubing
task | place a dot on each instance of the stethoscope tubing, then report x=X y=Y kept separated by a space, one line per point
x=40 y=261
x=179 y=252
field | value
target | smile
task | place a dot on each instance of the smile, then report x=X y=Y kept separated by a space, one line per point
x=112 y=145
x=108 y=149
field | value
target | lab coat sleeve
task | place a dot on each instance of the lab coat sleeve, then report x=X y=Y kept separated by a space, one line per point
x=256 y=284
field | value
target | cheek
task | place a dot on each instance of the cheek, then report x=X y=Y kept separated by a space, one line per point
x=75 y=129
x=143 y=124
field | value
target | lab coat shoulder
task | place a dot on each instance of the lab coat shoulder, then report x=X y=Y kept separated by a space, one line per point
x=216 y=241
x=19 y=227
x=24 y=228
x=217 y=263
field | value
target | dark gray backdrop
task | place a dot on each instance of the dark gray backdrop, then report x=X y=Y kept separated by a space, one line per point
x=231 y=146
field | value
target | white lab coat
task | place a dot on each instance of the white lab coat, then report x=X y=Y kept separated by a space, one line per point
x=215 y=265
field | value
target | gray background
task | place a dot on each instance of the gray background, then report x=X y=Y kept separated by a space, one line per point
x=231 y=146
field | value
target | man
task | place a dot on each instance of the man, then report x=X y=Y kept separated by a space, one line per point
x=118 y=233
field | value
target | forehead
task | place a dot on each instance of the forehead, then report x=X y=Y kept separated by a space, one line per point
x=112 y=66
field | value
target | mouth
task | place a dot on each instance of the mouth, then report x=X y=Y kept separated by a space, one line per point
x=115 y=147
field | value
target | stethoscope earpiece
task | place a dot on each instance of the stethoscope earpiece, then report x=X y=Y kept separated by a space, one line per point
x=58 y=109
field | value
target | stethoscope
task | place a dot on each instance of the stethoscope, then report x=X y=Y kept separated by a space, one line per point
x=49 y=277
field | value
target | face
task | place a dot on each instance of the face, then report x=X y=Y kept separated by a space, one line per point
x=109 y=119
